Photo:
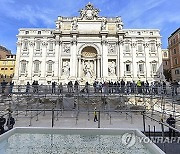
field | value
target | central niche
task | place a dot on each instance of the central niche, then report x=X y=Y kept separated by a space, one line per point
x=88 y=61
x=89 y=52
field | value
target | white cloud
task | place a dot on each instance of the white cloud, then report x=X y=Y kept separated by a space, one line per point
x=27 y=12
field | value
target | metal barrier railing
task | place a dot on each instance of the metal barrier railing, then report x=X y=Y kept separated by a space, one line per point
x=65 y=89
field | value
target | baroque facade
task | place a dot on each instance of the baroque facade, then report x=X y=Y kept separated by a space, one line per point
x=86 y=48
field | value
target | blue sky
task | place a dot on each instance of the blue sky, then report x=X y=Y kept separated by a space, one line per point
x=15 y=14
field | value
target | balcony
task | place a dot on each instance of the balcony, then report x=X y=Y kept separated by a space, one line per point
x=141 y=73
x=37 y=53
x=128 y=73
x=127 y=53
x=23 y=74
x=37 y=73
x=49 y=73
x=25 y=53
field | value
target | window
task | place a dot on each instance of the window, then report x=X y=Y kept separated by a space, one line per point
x=127 y=48
x=38 y=45
x=50 y=46
x=11 y=68
x=177 y=71
x=139 y=33
x=139 y=48
x=174 y=41
x=171 y=42
x=6 y=68
x=141 y=68
x=165 y=55
x=2 y=68
x=50 y=67
x=174 y=51
x=175 y=61
x=128 y=69
x=27 y=32
x=25 y=45
x=4 y=63
x=151 y=33
x=39 y=32
x=166 y=62
x=154 y=67
x=23 y=66
x=152 y=47
x=36 y=66
x=11 y=56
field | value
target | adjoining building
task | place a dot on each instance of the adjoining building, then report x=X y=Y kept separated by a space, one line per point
x=174 y=54
x=7 y=67
x=86 y=48
x=166 y=64
x=4 y=52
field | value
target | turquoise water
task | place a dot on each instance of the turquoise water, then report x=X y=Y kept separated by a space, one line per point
x=69 y=144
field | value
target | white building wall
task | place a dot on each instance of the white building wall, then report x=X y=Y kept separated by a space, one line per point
x=100 y=40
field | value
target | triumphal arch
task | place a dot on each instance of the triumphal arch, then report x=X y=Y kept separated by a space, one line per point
x=88 y=47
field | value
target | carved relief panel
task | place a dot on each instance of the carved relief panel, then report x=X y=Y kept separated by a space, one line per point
x=66 y=49
x=111 y=48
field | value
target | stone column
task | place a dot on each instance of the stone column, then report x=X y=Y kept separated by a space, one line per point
x=98 y=67
x=95 y=71
x=60 y=60
x=29 y=69
x=17 y=66
x=73 y=61
x=43 y=64
x=147 y=62
x=104 y=58
x=160 y=63
x=134 y=62
x=117 y=61
x=56 y=62
x=79 y=67
x=121 y=63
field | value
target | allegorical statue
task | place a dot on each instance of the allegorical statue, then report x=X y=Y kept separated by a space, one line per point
x=74 y=24
x=119 y=23
x=66 y=69
x=88 y=69
x=103 y=26
x=112 y=68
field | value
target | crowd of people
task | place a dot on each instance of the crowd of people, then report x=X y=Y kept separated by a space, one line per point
x=139 y=87
x=129 y=87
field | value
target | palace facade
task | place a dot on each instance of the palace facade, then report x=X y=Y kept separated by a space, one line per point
x=86 y=48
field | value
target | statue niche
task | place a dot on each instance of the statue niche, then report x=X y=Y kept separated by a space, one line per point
x=88 y=62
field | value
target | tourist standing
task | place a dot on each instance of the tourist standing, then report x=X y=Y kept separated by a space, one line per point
x=10 y=122
x=171 y=121
x=2 y=123
x=95 y=115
